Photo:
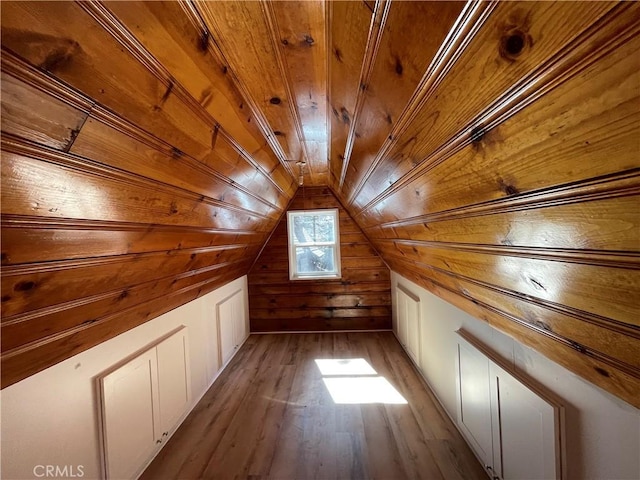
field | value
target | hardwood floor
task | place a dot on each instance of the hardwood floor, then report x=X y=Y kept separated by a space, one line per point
x=270 y=416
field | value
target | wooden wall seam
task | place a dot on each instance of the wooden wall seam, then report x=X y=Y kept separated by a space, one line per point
x=21 y=70
x=470 y=21
x=272 y=25
x=616 y=185
x=564 y=65
x=201 y=17
x=88 y=166
x=106 y=19
x=378 y=22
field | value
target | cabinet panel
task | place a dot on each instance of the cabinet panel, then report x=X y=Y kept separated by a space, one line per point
x=225 y=330
x=408 y=327
x=232 y=328
x=129 y=422
x=526 y=425
x=173 y=380
x=513 y=426
x=474 y=401
x=401 y=318
x=142 y=401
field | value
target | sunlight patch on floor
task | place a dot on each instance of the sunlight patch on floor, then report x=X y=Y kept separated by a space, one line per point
x=363 y=390
x=344 y=366
x=354 y=381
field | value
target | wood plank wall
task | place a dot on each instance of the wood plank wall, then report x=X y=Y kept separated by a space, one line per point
x=489 y=150
x=507 y=177
x=360 y=300
x=131 y=182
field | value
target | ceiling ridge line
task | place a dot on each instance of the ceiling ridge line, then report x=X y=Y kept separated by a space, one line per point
x=202 y=18
x=121 y=34
x=461 y=34
x=556 y=70
x=331 y=180
x=374 y=39
x=272 y=25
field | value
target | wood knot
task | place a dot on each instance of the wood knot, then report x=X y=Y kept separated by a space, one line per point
x=344 y=114
x=203 y=41
x=399 y=68
x=514 y=43
x=275 y=101
x=477 y=133
x=24 y=286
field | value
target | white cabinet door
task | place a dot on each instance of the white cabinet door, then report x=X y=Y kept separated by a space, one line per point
x=226 y=315
x=228 y=319
x=401 y=318
x=174 y=387
x=142 y=401
x=474 y=401
x=239 y=318
x=526 y=424
x=408 y=323
x=129 y=421
x=412 y=309
x=513 y=427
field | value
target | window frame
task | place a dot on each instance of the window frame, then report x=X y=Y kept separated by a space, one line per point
x=292 y=244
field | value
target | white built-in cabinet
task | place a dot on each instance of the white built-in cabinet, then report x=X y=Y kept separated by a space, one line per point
x=142 y=401
x=408 y=322
x=232 y=325
x=515 y=429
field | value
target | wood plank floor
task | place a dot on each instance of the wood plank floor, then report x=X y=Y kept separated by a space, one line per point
x=270 y=416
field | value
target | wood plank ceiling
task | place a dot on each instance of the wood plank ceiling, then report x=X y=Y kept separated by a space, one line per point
x=488 y=150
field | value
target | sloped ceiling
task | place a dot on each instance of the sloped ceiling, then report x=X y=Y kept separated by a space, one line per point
x=488 y=150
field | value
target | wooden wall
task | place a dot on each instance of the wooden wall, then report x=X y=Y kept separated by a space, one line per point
x=361 y=299
x=504 y=173
x=489 y=150
x=134 y=177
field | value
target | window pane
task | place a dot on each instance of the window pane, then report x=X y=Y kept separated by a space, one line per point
x=314 y=228
x=315 y=260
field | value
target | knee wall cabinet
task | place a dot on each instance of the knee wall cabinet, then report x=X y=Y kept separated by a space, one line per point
x=514 y=428
x=232 y=326
x=408 y=323
x=142 y=400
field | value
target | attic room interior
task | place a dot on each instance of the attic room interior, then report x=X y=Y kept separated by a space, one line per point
x=320 y=239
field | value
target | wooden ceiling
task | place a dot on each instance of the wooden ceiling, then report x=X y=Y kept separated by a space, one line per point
x=488 y=150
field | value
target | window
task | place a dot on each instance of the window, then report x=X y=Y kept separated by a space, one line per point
x=314 y=244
